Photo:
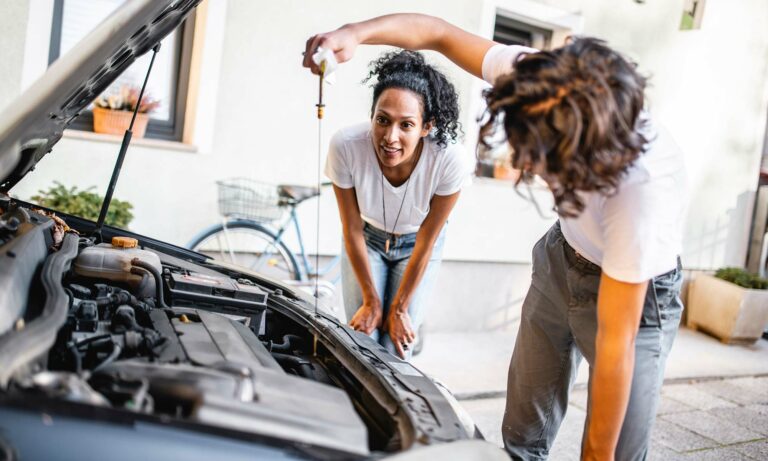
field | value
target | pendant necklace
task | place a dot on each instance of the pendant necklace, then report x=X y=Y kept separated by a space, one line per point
x=391 y=235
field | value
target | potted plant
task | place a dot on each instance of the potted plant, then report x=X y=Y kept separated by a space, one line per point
x=112 y=113
x=731 y=305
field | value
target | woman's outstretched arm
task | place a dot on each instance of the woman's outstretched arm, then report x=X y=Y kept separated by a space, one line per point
x=405 y=30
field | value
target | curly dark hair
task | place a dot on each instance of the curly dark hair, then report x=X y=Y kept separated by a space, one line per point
x=573 y=114
x=408 y=70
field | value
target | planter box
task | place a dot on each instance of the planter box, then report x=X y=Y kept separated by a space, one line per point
x=726 y=310
x=115 y=122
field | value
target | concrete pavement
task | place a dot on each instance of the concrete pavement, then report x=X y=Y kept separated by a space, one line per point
x=472 y=364
x=706 y=420
x=714 y=403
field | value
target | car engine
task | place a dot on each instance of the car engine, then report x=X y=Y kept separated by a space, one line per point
x=133 y=330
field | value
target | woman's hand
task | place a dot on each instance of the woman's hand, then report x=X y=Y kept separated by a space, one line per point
x=404 y=30
x=342 y=41
x=367 y=318
x=400 y=330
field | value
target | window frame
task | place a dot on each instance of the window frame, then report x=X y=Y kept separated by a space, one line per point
x=510 y=31
x=170 y=130
x=538 y=37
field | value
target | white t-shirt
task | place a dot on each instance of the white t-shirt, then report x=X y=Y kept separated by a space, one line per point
x=352 y=163
x=635 y=234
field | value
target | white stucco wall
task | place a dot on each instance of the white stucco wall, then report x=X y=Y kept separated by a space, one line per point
x=13 y=24
x=709 y=87
x=257 y=118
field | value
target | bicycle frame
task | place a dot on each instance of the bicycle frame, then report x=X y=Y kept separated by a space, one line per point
x=307 y=268
x=304 y=267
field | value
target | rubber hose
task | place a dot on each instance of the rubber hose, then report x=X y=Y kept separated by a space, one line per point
x=158 y=280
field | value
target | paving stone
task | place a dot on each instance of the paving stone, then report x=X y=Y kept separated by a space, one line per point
x=762 y=409
x=677 y=438
x=680 y=433
x=753 y=417
x=755 y=450
x=691 y=395
x=488 y=414
x=658 y=452
x=717 y=454
x=744 y=394
x=755 y=385
x=713 y=427
x=668 y=405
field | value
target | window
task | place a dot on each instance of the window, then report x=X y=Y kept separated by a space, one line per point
x=168 y=82
x=693 y=12
x=495 y=162
x=512 y=32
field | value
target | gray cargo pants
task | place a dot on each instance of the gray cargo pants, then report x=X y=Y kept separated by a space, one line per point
x=558 y=326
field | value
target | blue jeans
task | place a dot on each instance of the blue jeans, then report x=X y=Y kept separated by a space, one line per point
x=558 y=327
x=387 y=270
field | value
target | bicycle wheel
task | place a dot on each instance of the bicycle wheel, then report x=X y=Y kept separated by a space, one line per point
x=248 y=245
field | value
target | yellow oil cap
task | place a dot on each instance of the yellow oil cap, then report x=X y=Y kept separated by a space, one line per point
x=124 y=242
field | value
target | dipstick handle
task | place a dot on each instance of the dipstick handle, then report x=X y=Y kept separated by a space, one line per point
x=320 y=106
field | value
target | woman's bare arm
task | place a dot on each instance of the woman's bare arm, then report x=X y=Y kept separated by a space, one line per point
x=368 y=316
x=619 y=308
x=398 y=322
x=406 y=30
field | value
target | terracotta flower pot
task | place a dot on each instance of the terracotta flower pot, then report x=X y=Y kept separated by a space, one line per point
x=505 y=172
x=110 y=121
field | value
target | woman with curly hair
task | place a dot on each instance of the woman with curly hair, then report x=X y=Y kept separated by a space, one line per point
x=606 y=276
x=396 y=180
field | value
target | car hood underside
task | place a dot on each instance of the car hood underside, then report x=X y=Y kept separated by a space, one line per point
x=35 y=121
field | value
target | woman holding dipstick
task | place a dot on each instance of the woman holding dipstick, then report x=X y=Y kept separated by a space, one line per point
x=396 y=180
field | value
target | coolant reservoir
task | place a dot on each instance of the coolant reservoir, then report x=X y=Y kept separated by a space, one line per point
x=112 y=261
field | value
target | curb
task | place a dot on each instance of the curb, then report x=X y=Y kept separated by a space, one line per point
x=482 y=395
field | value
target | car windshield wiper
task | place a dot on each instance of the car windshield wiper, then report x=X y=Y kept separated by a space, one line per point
x=123 y=150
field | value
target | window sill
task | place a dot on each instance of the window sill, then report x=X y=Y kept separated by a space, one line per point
x=143 y=142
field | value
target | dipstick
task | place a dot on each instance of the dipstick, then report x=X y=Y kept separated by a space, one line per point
x=320 y=112
x=320 y=105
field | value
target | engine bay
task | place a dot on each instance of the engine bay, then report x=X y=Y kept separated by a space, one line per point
x=145 y=333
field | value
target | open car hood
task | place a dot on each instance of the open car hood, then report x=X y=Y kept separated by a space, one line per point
x=34 y=122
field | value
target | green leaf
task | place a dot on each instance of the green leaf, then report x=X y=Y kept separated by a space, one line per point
x=742 y=278
x=84 y=203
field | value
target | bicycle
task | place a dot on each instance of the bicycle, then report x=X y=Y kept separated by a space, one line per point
x=248 y=236
x=243 y=238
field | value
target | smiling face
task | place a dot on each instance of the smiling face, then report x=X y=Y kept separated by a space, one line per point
x=397 y=127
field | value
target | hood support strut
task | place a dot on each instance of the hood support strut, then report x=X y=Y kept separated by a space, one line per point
x=121 y=156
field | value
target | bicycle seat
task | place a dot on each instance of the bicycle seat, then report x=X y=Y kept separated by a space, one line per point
x=297 y=193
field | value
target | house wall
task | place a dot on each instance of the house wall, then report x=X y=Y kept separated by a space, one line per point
x=13 y=23
x=256 y=118
x=709 y=87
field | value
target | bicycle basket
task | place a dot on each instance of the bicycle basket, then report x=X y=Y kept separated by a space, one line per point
x=249 y=199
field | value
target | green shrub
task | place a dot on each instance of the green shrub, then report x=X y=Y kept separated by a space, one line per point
x=84 y=203
x=742 y=278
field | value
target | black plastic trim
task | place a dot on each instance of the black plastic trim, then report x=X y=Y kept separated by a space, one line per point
x=18 y=348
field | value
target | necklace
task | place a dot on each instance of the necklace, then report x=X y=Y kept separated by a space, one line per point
x=392 y=235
